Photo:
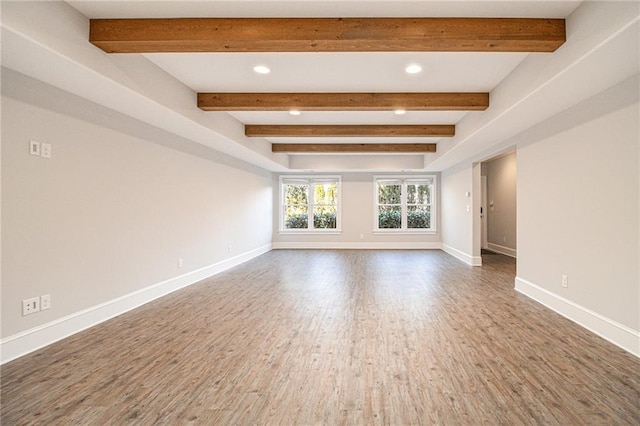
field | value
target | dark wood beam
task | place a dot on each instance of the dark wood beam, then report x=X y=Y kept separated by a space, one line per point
x=342 y=148
x=328 y=35
x=343 y=101
x=264 y=130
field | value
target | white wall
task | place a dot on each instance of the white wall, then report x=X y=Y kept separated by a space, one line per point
x=460 y=199
x=358 y=218
x=47 y=40
x=578 y=215
x=112 y=211
x=359 y=162
x=501 y=203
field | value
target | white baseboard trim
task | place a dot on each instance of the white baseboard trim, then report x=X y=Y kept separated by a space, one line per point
x=359 y=246
x=38 y=337
x=497 y=248
x=460 y=255
x=616 y=333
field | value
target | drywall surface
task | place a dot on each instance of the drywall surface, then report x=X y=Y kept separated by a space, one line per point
x=111 y=213
x=578 y=212
x=457 y=212
x=501 y=201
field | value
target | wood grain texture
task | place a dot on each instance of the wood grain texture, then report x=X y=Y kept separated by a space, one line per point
x=275 y=130
x=332 y=337
x=343 y=101
x=327 y=35
x=354 y=147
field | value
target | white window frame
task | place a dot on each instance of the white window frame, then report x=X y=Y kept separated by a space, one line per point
x=310 y=180
x=403 y=203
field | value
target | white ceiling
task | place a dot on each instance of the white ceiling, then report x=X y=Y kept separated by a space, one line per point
x=145 y=86
x=321 y=8
x=340 y=72
x=335 y=72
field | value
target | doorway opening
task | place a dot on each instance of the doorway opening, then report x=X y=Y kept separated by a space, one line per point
x=498 y=206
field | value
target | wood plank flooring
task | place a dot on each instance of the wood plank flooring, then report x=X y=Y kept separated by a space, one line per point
x=332 y=337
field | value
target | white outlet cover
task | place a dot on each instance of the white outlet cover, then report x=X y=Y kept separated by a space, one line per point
x=45 y=150
x=45 y=302
x=30 y=306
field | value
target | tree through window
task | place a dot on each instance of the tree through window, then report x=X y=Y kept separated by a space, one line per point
x=310 y=203
x=405 y=204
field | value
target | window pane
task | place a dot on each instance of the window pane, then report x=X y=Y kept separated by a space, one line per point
x=418 y=217
x=326 y=193
x=389 y=217
x=324 y=217
x=411 y=194
x=296 y=217
x=424 y=194
x=418 y=194
x=389 y=193
x=295 y=194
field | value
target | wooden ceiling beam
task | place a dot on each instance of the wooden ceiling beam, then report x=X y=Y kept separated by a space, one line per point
x=344 y=148
x=343 y=101
x=328 y=35
x=264 y=130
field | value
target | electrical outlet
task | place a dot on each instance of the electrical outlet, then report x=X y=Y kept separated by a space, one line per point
x=45 y=150
x=45 y=302
x=180 y=262
x=565 y=281
x=230 y=249
x=30 y=306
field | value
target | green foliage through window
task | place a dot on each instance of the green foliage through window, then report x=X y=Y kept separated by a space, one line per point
x=303 y=196
x=389 y=217
x=418 y=219
x=325 y=220
x=297 y=221
x=296 y=194
x=404 y=204
x=389 y=193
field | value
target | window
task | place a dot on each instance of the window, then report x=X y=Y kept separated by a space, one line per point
x=310 y=203
x=405 y=204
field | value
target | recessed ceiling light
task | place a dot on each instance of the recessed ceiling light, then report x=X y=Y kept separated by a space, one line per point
x=261 y=69
x=413 y=69
x=399 y=111
x=294 y=112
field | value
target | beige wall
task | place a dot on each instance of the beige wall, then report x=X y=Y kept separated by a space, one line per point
x=112 y=211
x=357 y=219
x=460 y=199
x=578 y=211
x=501 y=202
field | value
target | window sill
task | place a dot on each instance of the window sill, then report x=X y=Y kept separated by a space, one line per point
x=402 y=232
x=308 y=232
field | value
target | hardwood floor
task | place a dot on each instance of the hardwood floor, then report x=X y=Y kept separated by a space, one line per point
x=332 y=337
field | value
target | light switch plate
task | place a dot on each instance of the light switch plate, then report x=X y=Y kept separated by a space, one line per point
x=30 y=306
x=34 y=148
